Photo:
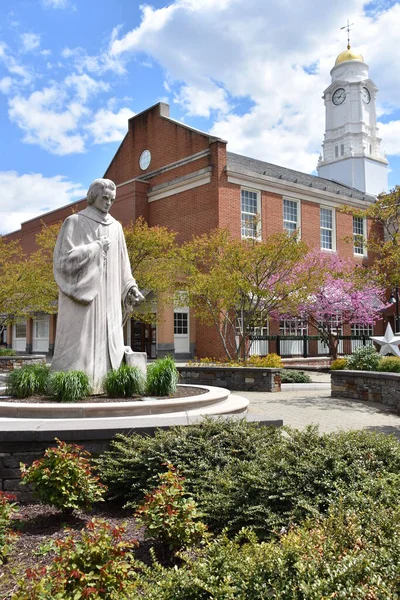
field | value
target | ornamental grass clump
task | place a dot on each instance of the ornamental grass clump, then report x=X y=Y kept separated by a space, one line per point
x=64 y=478
x=68 y=386
x=124 y=382
x=29 y=380
x=7 y=352
x=170 y=515
x=7 y=537
x=96 y=563
x=162 y=377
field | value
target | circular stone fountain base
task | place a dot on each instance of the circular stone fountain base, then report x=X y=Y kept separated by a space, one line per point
x=215 y=401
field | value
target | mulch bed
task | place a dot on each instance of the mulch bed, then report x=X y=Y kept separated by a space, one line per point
x=38 y=524
x=181 y=392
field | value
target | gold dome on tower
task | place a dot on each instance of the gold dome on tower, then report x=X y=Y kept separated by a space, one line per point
x=347 y=55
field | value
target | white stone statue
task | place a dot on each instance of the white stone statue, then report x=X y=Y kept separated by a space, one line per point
x=97 y=289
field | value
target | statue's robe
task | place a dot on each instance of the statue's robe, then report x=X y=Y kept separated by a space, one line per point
x=93 y=288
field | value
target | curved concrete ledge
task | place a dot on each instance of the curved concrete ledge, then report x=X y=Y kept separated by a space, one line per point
x=215 y=401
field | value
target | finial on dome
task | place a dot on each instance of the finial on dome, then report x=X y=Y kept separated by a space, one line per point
x=348 y=27
x=348 y=54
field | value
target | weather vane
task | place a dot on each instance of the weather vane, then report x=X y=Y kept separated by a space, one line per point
x=348 y=26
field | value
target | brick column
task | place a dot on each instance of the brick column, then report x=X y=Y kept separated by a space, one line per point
x=165 y=329
x=9 y=335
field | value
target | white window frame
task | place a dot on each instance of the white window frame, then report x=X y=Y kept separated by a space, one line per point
x=298 y=222
x=363 y=250
x=256 y=215
x=333 y=229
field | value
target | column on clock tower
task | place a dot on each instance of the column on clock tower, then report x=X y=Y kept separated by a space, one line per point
x=352 y=152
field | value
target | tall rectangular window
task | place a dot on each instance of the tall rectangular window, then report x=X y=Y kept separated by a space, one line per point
x=327 y=229
x=181 y=323
x=250 y=209
x=291 y=215
x=341 y=149
x=359 y=235
x=336 y=151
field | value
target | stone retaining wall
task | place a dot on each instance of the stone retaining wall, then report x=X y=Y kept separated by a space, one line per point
x=26 y=446
x=251 y=379
x=367 y=385
x=9 y=363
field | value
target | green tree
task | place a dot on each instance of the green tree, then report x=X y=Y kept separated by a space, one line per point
x=153 y=256
x=237 y=285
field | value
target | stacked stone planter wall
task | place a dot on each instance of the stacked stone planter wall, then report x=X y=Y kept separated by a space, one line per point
x=9 y=363
x=367 y=385
x=251 y=379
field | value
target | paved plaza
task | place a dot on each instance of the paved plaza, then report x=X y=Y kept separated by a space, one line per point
x=303 y=406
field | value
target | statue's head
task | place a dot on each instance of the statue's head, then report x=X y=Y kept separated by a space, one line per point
x=101 y=194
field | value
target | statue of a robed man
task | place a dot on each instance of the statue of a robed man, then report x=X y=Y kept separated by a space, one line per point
x=97 y=289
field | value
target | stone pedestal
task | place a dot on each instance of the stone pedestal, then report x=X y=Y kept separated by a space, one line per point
x=136 y=359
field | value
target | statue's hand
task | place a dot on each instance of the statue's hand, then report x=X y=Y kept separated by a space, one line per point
x=105 y=243
x=134 y=296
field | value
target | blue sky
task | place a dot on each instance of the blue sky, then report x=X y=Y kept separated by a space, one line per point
x=250 y=71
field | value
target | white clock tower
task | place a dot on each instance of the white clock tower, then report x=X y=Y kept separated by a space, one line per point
x=352 y=151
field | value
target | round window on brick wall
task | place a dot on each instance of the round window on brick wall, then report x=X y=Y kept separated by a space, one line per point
x=144 y=160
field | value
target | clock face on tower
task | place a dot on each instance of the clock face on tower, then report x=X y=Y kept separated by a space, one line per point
x=339 y=96
x=365 y=95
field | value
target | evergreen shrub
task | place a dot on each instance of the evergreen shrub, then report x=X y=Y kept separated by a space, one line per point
x=29 y=380
x=124 y=382
x=68 y=386
x=170 y=515
x=162 y=377
x=345 y=555
x=294 y=376
x=364 y=358
x=64 y=478
x=389 y=364
x=243 y=474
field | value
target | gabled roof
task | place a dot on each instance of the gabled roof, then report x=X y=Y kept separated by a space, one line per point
x=244 y=164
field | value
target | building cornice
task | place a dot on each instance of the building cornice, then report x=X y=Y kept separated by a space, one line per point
x=295 y=190
x=181 y=184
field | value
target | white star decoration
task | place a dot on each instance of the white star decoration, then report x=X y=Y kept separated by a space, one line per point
x=389 y=342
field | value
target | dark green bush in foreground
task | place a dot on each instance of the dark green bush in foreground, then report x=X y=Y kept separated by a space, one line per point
x=162 y=377
x=345 y=556
x=68 y=386
x=242 y=474
x=124 y=382
x=294 y=376
x=27 y=381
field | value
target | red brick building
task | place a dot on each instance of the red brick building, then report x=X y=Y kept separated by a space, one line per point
x=176 y=176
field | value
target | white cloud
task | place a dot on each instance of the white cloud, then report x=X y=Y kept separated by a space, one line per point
x=49 y=121
x=58 y=4
x=390 y=133
x=6 y=84
x=108 y=126
x=31 y=194
x=85 y=86
x=201 y=102
x=13 y=66
x=30 y=41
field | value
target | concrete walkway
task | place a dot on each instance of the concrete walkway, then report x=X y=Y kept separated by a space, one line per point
x=303 y=407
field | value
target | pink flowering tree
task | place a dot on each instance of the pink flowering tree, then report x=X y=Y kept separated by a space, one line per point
x=343 y=297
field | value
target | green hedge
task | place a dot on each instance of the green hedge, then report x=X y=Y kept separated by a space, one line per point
x=242 y=474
